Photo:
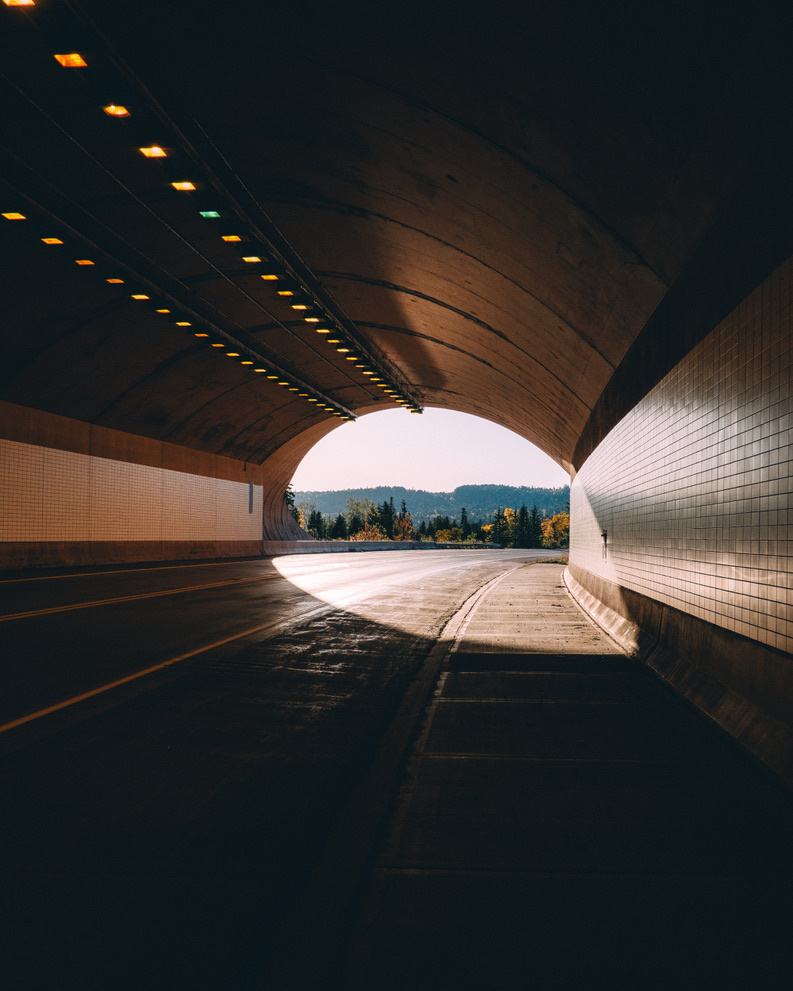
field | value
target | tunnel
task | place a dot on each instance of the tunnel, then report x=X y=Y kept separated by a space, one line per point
x=226 y=229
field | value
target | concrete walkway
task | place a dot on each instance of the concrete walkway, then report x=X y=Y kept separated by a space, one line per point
x=567 y=822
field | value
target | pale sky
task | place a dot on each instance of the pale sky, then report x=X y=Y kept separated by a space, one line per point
x=437 y=451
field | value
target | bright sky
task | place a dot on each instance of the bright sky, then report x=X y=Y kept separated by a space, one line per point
x=437 y=451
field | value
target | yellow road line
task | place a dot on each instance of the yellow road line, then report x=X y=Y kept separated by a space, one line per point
x=127 y=571
x=155 y=667
x=131 y=598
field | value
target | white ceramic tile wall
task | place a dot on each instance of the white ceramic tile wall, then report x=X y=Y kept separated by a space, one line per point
x=695 y=486
x=47 y=494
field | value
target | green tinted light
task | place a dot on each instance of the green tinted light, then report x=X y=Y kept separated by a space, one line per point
x=210 y=214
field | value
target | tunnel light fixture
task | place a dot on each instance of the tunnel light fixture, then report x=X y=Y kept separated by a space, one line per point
x=322 y=330
x=201 y=335
x=334 y=340
x=343 y=350
x=15 y=216
x=270 y=277
x=272 y=377
x=283 y=383
x=246 y=362
x=209 y=214
x=351 y=357
x=217 y=344
x=116 y=110
x=163 y=310
x=83 y=261
x=231 y=237
x=303 y=395
x=368 y=373
x=250 y=259
x=293 y=388
x=183 y=186
x=71 y=60
x=52 y=240
x=299 y=306
x=140 y=295
x=232 y=354
x=285 y=292
x=260 y=369
x=115 y=282
x=20 y=3
x=313 y=319
x=183 y=323
x=153 y=151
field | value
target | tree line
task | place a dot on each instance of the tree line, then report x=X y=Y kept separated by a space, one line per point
x=480 y=501
x=363 y=519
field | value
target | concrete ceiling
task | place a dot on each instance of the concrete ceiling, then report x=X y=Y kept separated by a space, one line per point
x=491 y=200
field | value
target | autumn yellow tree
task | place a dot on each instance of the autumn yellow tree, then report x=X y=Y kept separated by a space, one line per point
x=556 y=530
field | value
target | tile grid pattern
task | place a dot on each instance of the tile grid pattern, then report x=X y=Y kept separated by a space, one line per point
x=52 y=495
x=694 y=488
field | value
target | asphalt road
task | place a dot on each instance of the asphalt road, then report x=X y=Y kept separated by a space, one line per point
x=176 y=743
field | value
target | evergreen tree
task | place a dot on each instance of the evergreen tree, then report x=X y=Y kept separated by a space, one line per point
x=355 y=524
x=339 y=529
x=522 y=528
x=500 y=529
x=465 y=526
x=534 y=528
x=316 y=525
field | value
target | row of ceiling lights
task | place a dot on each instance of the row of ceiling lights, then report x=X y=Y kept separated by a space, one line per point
x=204 y=332
x=269 y=268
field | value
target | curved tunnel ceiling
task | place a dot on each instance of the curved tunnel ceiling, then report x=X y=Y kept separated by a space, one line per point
x=483 y=204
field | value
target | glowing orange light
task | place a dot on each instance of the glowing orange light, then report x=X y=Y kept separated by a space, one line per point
x=15 y=216
x=299 y=306
x=322 y=330
x=283 y=383
x=231 y=237
x=114 y=110
x=163 y=311
x=351 y=357
x=200 y=335
x=260 y=369
x=334 y=340
x=140 y=295
x=285 y=292
x=183 y=323
x=19 y=3
x=115 y=282
x=270 y=277
x=312 y=319
x=293 y=388
x=313 y=400
x=368 y=373
x=251 y=258
x=272 y=376
x=218 y=345
x=84 y=261
x=232 y=354
x=52 y=240
x=343 y=350
x=184 y=187
x=246 y=362
x=72 y=60
x=302 y=395
x=153 y=152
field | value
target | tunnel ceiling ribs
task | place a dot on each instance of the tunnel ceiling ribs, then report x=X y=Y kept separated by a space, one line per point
x=482 y=212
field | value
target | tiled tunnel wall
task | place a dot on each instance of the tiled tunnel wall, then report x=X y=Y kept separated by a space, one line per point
x=61 y=496
x=681 y=526
x=694 y=488
x=75 y=493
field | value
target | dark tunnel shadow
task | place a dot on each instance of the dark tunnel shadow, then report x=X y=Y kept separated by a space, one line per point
x=165 y=838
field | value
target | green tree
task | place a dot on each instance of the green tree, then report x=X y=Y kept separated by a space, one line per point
x=465 y=526
x=355 y=524
x=522 y=528
x=339 y=529
x=535 y=528
x=316 y=525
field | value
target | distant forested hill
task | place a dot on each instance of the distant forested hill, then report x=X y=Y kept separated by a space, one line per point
x=480 y=501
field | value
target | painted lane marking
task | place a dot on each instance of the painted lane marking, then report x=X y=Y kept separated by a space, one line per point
x=133 y=598
x=128 y=571
x=275 y=626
